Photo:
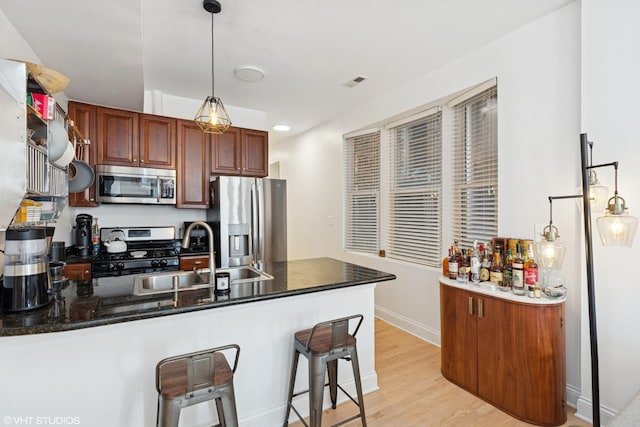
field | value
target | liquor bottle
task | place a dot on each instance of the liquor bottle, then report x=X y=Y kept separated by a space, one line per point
x=517 y=273
x=507 y=269
x=485 y=265
x=495 y=274
x=474 y=261
x=530 y=269
x=95 y=236
x=453 y=264
x=445 y=264
x=464 y=267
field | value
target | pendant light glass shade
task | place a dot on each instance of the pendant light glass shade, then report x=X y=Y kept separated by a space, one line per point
x=212 y=117
x=617 y=227
x=549 y=251
x=598 y=193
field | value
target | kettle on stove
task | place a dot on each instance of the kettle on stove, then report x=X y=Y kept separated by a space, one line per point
x=116 y=243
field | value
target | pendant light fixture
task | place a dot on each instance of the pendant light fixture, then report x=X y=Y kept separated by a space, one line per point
x=598 y=193
x=617 y=227
x=212 y=117
x=550 y=251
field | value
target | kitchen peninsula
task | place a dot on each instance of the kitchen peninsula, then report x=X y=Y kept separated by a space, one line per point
x=76 y=359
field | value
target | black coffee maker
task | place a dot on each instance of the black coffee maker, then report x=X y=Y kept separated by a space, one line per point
x=25 y=280
x=83 y=245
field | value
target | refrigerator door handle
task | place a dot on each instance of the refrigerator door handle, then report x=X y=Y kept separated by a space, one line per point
x=257 y=211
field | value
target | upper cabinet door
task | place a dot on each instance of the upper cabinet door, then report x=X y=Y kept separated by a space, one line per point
x=117 y=137
x=157 y=142
x=226 y=154
x=255 y=153
x=193 y=166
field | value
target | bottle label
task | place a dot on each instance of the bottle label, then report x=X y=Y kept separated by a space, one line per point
x=507 y=276
x=484 y=274
x=517 y=279
x=453 y=268
x=531 y=276
x=495 y=276
x=475 y=265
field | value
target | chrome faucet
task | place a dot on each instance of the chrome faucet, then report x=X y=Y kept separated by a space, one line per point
x=212 y=258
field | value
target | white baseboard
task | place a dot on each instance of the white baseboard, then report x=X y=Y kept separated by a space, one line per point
x=584 y=411
x=421 y=331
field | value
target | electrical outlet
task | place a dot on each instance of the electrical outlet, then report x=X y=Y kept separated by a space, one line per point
x=330 y=221
x=538 y=230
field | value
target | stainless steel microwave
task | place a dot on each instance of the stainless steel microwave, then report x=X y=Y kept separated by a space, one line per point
x=124 y=184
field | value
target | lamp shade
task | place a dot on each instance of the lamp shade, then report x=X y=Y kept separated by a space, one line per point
x=617 y=229
x=549 y=255
x=212 y=117
x=598 y=196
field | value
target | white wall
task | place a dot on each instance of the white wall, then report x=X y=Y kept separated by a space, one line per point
x=610 y=90
x=538 y=71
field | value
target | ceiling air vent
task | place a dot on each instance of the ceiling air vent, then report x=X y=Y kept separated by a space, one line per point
x=355 y=81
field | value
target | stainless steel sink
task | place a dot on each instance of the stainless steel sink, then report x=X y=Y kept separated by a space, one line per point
x=176 y=281
x=245 y=273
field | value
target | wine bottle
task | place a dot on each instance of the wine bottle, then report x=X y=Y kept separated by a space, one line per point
x=517 y=273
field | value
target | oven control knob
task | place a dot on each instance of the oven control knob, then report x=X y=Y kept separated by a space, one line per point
x=119 y=265
x=155 y=263
x=112 y=266
x=163 y=262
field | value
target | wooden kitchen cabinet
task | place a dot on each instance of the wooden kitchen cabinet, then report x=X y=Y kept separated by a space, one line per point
x=239 y=151
x=509 y=353
x=117 y=142
x=157 y=142
x=84 y=118
x=192 y=166
x=78 y=271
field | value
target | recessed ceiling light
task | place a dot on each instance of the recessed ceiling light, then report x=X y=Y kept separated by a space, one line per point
x=249 y=74
x=281 y=128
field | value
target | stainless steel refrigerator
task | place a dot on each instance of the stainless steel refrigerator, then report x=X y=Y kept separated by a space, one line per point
x=249 y=218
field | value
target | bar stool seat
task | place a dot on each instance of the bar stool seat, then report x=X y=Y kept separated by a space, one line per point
x=323 y=345
x=193 y=378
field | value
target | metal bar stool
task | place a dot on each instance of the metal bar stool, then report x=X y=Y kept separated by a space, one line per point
x=193 y=378
x=323 y=345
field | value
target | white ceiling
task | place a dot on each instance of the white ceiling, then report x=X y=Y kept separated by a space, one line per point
x=114 y=50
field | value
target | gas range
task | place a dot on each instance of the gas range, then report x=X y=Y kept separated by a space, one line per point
x=148 y=249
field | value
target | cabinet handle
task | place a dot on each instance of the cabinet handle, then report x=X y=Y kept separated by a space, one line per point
x=470 y=306
x=480 y=309
x=197 y=262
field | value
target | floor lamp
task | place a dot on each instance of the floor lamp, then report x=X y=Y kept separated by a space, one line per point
x=616 y=228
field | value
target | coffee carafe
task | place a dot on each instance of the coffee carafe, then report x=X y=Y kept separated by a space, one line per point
x=84 y=245
x=25 y=281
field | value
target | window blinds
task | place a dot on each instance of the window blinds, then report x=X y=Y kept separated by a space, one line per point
x=362 y=192
x=475 y=168
x=415 y=190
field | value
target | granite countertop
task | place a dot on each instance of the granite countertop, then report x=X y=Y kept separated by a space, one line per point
x=85 y=304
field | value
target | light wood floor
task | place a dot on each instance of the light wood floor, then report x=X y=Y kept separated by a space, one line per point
x=413 y=392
